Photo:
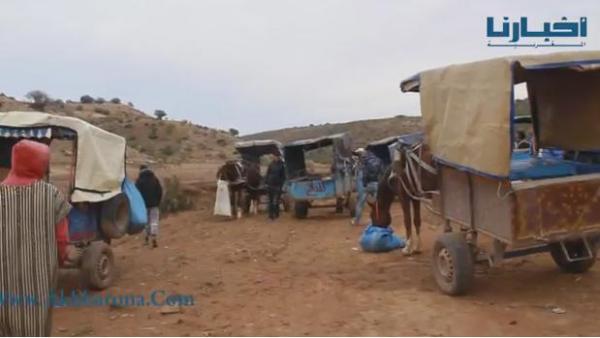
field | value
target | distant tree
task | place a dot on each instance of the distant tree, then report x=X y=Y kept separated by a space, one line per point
x=86 y=99
x=115 y=100
x=39 y=99
x=160 y=114
x=130 y=104
x=234 y=132
x=100 y=100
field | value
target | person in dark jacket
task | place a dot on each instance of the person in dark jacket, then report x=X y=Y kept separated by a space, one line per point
x=371 y=168
x=274 y=180
x=151 y=190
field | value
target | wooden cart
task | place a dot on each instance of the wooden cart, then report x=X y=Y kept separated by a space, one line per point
x=469 y=125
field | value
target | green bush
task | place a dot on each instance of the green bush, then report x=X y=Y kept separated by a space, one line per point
x=39 y=99
x=102 y=111
x=175 y=198
x=167 y=151
x=86 y=99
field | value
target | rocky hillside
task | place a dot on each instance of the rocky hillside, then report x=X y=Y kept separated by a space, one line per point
x=362 y=132
x=150 y=139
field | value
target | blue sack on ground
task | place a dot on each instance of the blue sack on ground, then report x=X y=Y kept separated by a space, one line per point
x=378 y=239
x=138 y=216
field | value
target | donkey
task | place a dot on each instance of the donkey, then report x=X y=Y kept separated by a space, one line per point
x=412 y=178
x=233 y=172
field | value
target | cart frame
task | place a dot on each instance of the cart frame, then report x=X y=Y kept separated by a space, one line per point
x=305 y=189
x=560 y=215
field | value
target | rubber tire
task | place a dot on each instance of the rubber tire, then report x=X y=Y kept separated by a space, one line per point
x=462 y=263
x=301 y=209
x=114 y=218
x=96 y=253
x=572 y=267
x=352 y=205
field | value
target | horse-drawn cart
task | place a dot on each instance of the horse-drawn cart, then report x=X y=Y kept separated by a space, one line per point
x=383 y=149
x=252 y=153
x=92 y=174
x=468 y=112
x=308 y=186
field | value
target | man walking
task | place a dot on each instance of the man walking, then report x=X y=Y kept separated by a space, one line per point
x=33 y=234
x=151 y=190
x=275 y=179
x=371 y=168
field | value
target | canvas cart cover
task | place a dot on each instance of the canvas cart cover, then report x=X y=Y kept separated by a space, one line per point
x=253 y=150
x=100 y=167
x=467 y=108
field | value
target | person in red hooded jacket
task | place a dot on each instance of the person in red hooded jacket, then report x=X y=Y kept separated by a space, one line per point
x=33 y=234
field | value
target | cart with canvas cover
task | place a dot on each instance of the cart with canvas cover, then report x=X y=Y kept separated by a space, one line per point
x=313 y=185
x=92 y=175
x=253 y=152
x=527 y=203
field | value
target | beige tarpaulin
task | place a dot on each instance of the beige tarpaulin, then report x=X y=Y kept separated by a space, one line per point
x=100 y=167
x=467 y=108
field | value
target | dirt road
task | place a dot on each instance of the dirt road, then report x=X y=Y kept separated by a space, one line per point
x=254 y=277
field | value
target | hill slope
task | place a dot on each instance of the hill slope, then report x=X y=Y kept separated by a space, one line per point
x=148 y=138
x=362 y=132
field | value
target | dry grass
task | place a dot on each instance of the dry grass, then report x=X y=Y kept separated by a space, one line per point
x=149 y=139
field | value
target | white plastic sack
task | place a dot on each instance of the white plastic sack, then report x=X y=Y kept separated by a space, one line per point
x=222 y=203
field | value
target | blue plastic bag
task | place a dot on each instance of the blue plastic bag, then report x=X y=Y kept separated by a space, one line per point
x=379 y=239
x=138 y=215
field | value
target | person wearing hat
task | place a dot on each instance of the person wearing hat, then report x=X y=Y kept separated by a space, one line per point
x=151 y=190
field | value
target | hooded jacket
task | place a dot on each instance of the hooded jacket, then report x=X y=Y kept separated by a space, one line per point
x=373 y=168
x=29 y=164
x=150 y=188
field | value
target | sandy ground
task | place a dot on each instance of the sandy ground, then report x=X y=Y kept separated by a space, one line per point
x=290 y=277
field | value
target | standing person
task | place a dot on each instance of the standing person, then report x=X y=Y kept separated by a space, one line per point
x=372 y=168
x=358 y=183
x=275 y=179
x=151 y=190
x=33 y=234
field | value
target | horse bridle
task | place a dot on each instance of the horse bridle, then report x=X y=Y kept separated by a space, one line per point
x=413 y=167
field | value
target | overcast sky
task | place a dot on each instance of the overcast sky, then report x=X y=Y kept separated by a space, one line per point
x=253 y=65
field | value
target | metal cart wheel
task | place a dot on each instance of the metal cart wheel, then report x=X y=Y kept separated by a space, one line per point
x=301 y=209
x=98 y=265
x=453 y=263
x=579 y=261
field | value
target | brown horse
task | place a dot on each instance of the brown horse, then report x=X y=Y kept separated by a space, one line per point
x=412 y=178
x=233 y=172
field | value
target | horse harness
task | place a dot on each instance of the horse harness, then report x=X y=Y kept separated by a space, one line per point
x=413 y=168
